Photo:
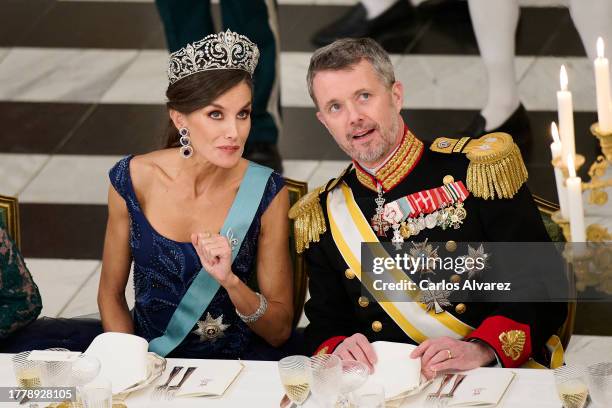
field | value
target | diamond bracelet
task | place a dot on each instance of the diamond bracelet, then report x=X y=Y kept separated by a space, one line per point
x=263 y=305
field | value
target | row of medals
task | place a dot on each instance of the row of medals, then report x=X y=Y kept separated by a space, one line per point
x=448 y=216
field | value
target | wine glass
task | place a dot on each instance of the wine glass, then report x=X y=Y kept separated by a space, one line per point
x=294 y=374
x=599 y=379
x=571 y=386
x=354 y=375
x=326 y=377
x=27 y=372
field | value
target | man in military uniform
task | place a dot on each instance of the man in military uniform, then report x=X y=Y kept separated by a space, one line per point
x=358 y=100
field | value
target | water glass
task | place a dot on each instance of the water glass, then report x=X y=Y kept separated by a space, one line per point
x=370 y=395
x=354 y=375
x=97 y=393
x=571 y=386
x=326 y=377
x=56 y=373
x=295 y=376
x=599 y=379
x=28 y=373
x=84 y=369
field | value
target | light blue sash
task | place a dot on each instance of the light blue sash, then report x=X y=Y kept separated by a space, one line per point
x=204 y=287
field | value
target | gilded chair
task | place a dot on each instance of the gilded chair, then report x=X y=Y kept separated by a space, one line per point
x=9 y=217
x=547 y=208
x=297 y=189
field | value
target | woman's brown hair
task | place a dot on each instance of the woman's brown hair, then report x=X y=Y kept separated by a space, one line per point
x=199 y=90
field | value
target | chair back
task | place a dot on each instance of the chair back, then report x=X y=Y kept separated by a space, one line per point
x=297 y=189
x=547 y=208
x=9 y=218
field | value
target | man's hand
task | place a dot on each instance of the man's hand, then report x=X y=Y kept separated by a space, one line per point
x=357 y=347
x=447 y=354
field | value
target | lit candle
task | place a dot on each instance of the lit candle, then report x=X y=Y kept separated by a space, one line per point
x=574 y=194
x=566 y=115
x=556 y=151
x=602 y=82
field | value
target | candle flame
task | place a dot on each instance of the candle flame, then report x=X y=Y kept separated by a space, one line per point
x=563 y=78
x=570 y=166
x=555 y=132
x=600 y=47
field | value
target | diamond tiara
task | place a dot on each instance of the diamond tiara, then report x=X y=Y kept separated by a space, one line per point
x=225 y=50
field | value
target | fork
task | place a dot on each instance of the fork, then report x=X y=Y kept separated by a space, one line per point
x=433 y=398
x=159 y=390
x=173 y=389
x=445 y=398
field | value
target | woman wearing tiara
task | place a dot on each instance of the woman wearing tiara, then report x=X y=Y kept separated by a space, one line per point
x=197 y=220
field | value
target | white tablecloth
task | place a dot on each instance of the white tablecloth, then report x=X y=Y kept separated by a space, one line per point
x=259 y=386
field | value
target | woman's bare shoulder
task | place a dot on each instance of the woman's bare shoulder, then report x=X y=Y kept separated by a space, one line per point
x=147 y=167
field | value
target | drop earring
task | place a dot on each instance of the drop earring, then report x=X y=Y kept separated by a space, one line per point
x=185 y=140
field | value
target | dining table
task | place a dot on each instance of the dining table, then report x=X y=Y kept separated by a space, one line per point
x=259 y=385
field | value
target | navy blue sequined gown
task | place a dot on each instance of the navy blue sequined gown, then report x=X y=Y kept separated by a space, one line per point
x=164 y=269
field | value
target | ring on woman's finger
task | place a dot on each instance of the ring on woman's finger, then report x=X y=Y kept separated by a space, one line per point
x=450 y=355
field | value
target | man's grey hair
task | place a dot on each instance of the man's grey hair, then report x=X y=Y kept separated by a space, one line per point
x=344 y=53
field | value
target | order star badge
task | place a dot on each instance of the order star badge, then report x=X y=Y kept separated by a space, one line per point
x=211 y=329
x=478 y=266
x=424 y=251
x=435 y=299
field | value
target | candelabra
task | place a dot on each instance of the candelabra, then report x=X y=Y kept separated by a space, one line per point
x=592 y=262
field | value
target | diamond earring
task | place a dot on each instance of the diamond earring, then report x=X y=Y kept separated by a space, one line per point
x=186 y=149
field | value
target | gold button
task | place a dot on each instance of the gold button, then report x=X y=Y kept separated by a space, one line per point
x=455 y=278
x=448 y=179
x=363 y=301
x=376 y=326
x=451 y=246
x=460 y=308
x=349 y=274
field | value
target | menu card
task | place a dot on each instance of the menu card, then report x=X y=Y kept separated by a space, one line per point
x=482 y=388
x=211 y=378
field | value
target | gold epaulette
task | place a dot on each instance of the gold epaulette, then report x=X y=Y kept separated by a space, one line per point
x=496 y=167
x=307 y=215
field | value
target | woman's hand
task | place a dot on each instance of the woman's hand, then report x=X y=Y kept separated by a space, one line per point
x=215 y=254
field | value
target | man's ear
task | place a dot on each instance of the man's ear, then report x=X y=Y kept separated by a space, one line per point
x=397 y=93
x=322 y=120
x=177 y=118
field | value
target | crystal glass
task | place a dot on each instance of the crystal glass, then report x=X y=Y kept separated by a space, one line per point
x=599 y=379
x=295 y=376
x=97 y=393
x=370 y=395
x=56 y=373
x=354 y=375
x=84 y=369
x=326 y=377
x=28 y=373
x=571 y=386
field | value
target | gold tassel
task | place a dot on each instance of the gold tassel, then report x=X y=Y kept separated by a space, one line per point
x=309 y=221
x=496 y=167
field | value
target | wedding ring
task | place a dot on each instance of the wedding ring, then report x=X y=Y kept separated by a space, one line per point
x=450 y=355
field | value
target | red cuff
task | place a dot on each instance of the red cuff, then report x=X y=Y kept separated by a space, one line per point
x=511 y=340
x=329 y=345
